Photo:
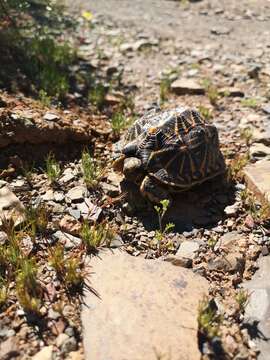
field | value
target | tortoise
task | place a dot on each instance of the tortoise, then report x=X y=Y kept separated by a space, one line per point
x=170 y=151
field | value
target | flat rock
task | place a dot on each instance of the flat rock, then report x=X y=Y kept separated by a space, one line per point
x=10 y=205
x=259 y=150
x=187 y=87
x=257 y=177
x=261 y=135
x=69 y=240
x=45 y=354
x=77 y=194
x=231 y=91
x=50 y=117
x=228 y=240
x=188 y=249
x=139 y=304
x=257 y=313
x=9 y=349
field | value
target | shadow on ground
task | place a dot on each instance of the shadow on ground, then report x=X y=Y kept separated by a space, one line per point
x=201 y=207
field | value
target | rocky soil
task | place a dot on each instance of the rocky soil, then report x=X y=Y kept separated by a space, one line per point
x=211 y=55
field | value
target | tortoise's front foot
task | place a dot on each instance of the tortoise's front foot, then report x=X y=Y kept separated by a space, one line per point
x=152 y=190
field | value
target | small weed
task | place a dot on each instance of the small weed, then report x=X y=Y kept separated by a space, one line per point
x=164 y=89
x=3 y=292
x=250 y=102
x=127 y=103
x=57 y=259
x=211 y=91
x=195 y=66
x=246 y=134
x=208 y=319
x=27 y=287
x=91 y=171
x=53 y=169
x=242 y=298
x=161 y=211
x=97 y=95
x=74 y=275
x=27 y=171
x=236 y=166
x=37 y=219
x=118 y=123
x=44 y=98
x=95 y=236
x=211 y=242
x=259 y=212
x=69 y=270
x=8 y=226
x=205 y=112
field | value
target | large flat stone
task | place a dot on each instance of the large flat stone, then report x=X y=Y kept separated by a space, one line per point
x=187 y=87
x=257 y=313
x=145 y=309
x=10 y=205
x=258 y=178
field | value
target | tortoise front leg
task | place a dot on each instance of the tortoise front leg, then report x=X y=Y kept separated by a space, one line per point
x=153 y=191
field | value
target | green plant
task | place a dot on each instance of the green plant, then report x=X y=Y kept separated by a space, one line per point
x=164 y=89
x=236 y=166
x=44 y=98
x=91 y=171
x=3 y=291
x=74 y=274
x=69 y=270
x=250 y=102
x=27 y=171
x=208 y=320
x=53 y=169
x=258 y=211
x=161 y=211
x=27 y=286
x=205 y=112
x=118 y=123
x=96 y=235
x=242 y=298
x=127 y=103
x=211 y=91
x=246 y=134
x=36 y=220
x=29 y=48
x=97 y=95
x=211 y=242
x=57 y=259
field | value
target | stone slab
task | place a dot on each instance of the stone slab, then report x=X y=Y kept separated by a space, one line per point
x=187 y=87
x=257 y=313
x=146 y=309
x=10 y=206
x=257 y=177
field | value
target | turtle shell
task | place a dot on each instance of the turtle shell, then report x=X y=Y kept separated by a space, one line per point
x=176 y=147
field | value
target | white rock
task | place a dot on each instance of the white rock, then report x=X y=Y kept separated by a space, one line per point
x=44 y=354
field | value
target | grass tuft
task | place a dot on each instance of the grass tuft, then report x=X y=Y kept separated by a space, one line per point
x=96 y=236
x=250 y=102
x=28 y=289
x=91 y=171
x=164 y=89
x=53 y=169
x=208 y=320
x=242 y=298
x=119 y=123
